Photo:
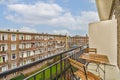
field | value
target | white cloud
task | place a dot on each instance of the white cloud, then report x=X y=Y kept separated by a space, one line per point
x=87 y=17
x=28 y=29
x=50 y=14
x=63 y=32
x=39 y=10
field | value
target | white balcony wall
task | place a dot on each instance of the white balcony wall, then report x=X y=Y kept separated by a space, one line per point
x=103 y=36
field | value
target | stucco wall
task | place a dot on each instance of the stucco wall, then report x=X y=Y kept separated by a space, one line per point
x=116 y=11
x=103 y=36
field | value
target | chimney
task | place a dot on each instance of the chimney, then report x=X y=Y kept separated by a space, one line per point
x=8 y=29
x=17 y=30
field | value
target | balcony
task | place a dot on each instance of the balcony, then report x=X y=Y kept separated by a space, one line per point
x=60 y=69
x=65 y=72
x=3 y=52
x=25 y=69
x=28 y=49
x=32 y=40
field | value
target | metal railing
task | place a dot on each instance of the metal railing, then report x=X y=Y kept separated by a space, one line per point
x=52 y=72
x=61 y=66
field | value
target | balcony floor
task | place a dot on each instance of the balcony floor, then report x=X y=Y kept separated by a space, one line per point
x=112 y=72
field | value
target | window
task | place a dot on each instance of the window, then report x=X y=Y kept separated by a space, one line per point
x=23 y=54
x=3 y=58
x=28 y=37
x=21 y=37
x=21 y=46
x=36 y=37
x=28 y=45
x=28 y=61
x=13 y=47
x=13 y=56
x=13 y=37
x=36 y=44
x=4 y=47
x=3 y=37
x=28 y=53
x=13 y=65
x=4 y=68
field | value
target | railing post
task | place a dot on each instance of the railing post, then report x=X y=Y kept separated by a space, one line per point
x=50 y=73
x=56 y=73
x=43 y=75
x=34 y=77
x=61 y=66
x=65 y=69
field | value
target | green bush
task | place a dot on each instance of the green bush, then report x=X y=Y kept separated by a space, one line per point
x=20 y=77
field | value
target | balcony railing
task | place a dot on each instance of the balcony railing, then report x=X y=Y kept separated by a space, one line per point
x=55 y=71
x=60 y=70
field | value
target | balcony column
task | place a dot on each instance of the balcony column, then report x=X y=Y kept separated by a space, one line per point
x=117 y=15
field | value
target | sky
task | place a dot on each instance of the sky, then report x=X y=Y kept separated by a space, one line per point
x=69 y=17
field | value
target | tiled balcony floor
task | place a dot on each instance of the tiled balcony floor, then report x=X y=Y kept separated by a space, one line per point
x=112 y=72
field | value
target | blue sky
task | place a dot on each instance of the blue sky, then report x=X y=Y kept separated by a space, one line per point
x=48 y=16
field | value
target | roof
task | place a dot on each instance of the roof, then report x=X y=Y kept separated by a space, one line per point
x=29 y=33
x=104 y=9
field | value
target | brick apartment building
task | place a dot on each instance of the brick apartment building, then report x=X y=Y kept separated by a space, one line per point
x=20 y=48
x=75 y=41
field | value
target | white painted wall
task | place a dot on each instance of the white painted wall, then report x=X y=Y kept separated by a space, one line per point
x=103 y=36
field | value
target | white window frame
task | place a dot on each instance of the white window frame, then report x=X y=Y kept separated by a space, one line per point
x=21 y=46
x=4 y=68
x=13 y=38
x=13 y=65
x=5 y=47
x=28 y=37
x=5 y=36
x=13 y=46
x=28 y=45
x=20 y=37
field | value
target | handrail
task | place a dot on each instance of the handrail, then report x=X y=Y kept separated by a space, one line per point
x=62 y=59
x=2 y=74
x=47 y=67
